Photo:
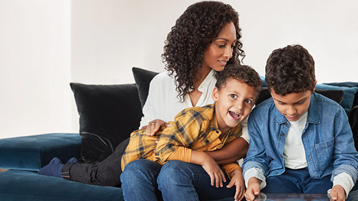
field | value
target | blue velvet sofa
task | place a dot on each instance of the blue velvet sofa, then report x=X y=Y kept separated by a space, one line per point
x=108 y=113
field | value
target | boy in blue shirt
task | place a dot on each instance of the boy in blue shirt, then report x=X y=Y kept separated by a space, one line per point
x=298 y=139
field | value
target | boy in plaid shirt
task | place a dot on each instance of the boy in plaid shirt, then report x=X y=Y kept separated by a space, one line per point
x=194 y=131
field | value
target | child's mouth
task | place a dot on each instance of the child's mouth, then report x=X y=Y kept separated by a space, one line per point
x=235 y=115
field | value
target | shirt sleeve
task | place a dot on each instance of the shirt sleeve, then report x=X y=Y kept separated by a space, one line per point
x=229 y=168
x=151 y=104
x=181 y=154
x=345 y=180
x=255 y=172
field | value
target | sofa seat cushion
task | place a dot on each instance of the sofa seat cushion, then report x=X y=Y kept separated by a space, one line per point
x=30 y=186
x=36 y=151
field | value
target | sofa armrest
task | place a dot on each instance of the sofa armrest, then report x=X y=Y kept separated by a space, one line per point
x=353 y=121
x=33 y=152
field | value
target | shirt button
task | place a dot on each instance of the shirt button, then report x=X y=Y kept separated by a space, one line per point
x=283 y=134
x=280 y=156
x=276 y=172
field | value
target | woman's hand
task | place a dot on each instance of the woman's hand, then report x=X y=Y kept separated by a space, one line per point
x=154 y=126
x=239 y=182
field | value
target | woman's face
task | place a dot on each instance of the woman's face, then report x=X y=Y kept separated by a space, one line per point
x=218 y=53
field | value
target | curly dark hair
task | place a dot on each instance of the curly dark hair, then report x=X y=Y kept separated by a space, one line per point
x=290 y=70
x=194 y=30
x=243 y=73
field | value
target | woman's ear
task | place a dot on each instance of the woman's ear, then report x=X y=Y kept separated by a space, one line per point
x=215 y=94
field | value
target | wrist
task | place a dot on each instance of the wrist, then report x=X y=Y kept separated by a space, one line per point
x=236 y=172
x=199 y=157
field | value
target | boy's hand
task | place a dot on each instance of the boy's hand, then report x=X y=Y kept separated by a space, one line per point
x=216 y=174
x=153 y=126
x=239 y=182
x=338 y=193
x=210 y=166
x=253 y=188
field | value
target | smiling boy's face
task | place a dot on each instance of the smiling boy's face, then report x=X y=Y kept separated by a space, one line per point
x=233 y=103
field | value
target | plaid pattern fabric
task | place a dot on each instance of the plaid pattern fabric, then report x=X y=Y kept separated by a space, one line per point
x=194 y=128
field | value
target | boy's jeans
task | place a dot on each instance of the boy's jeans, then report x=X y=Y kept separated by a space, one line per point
x=177 y=181
x=139 y=180
x=297 y=181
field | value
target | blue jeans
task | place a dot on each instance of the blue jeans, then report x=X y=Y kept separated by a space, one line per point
x=353 y=195
x=297 y=181
x=179 y=180
x=139 y=180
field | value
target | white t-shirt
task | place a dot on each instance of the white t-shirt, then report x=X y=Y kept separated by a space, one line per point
x=162 y=101
x=294 y=152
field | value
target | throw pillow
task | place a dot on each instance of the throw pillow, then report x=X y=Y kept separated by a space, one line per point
x=347 y=84
x=142 y=78
x=349 y=94
x=108 y=114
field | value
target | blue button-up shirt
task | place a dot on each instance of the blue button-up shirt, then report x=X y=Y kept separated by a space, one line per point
x=327 y=139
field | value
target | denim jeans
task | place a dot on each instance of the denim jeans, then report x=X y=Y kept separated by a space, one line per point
x=297 y=181
x=179 y=180
x=139 y=180
x=353 y=195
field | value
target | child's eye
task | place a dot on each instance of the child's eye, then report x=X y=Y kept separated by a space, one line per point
x=233 y=96
x=249 y=101
x=299 y=103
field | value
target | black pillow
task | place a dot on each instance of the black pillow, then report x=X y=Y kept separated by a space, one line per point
x=336 y=95
x=108 y=114
x=142 y=78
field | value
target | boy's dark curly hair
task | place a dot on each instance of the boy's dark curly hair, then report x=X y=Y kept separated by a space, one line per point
x=243 y=73
x=197 y=27
x=290 y=70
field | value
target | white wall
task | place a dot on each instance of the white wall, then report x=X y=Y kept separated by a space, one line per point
x=108 y=37
x=34 y=67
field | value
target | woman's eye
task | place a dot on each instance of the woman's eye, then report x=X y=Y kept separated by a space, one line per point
x=221 y=45
x=233 y=96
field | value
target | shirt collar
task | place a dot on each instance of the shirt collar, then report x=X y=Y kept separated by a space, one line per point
x=206 y=82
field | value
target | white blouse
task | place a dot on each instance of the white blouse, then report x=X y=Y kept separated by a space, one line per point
x=162 y=101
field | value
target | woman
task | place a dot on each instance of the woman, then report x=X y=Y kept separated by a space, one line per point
x=204 y=39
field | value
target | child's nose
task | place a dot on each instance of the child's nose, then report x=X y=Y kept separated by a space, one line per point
x=291 y=110
x=239 y=105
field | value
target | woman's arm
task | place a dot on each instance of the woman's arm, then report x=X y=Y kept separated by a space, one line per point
x=231 y=152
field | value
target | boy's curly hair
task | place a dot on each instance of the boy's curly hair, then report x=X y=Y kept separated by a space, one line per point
x=290 y=70
x=197 y=27
x=242 y=73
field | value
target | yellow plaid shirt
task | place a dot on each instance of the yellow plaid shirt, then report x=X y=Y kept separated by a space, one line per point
x=194 y=128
